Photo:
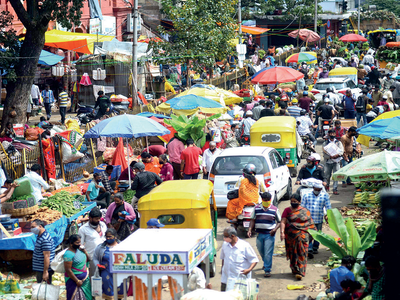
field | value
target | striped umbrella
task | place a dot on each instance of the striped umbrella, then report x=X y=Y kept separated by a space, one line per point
x=307 y=57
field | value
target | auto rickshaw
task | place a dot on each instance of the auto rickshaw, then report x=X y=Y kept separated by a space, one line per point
x=278 y=132
x=182 y=204
x=347 y=72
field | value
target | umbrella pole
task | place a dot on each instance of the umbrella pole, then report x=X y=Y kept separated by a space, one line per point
x=147 y=144
x=127 y=160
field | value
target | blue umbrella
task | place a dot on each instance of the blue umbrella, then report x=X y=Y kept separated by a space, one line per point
x=127 y=126
x=147 y=114
x=383 y=129
x=191 y=101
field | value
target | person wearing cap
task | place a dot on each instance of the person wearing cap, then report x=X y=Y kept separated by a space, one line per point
x=361 y=72
x=257 y=109
x=305 y=101
x=245 y=126
x=104 y=104
x=324 y=73
x=294 y=110
x=37 y=182
x=310 y=170
x=361 y=108
x=144 y=181
x=154 y=223
x=383 y=101
x=316 y=201
x=325 y=112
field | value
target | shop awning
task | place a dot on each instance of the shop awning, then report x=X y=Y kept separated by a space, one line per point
x=254 y=30
x=78 y=42
x=48 y=58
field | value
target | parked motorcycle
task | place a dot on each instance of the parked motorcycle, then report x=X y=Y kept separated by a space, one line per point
x=243 y=220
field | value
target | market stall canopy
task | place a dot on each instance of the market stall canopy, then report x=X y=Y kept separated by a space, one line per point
x=275 y=75
x=352 y=37
x=307 y=57
x=380 y=166
x=78 y=42
x=254 y=30
x=190 y=104
x=213 y=93
x=363 y=139
x=126 y=126
x=306 y=35
x=383 y=129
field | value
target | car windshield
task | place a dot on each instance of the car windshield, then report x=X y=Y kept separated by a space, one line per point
x=322 y=86
x=233 y=165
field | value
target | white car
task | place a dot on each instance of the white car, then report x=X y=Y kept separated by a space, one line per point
x=271 y=169
x=340 y=84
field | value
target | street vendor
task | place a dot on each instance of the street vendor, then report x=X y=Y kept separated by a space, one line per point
x=144 y=181
x=104 y=104
x=8 y=131
x=151 y=163
x=93 y=192
x=37 y=182
x=7 y=190
x=108 y=184
x=121 y=216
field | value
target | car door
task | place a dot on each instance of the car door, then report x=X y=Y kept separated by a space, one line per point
x=275 y=172
x=283 y=172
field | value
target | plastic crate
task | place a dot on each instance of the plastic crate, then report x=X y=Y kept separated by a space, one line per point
x=11 y=225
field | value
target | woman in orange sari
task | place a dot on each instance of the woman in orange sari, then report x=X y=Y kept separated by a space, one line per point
x=296 y=220
x=249 y=188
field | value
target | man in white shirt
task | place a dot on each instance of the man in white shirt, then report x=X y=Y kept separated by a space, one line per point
x=238 y=257
x=209 y=156
x=37 y=182
x=303 y=126
x=35 y=93
x=93 y=233
x=246 y=124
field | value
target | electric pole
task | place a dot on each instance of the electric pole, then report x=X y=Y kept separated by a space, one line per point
x=240 y=21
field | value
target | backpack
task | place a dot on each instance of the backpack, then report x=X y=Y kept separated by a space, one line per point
x=360 y=104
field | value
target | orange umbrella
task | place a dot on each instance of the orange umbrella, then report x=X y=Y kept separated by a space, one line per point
x=348 y=38
x=254 y=30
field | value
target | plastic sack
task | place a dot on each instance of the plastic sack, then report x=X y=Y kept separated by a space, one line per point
x=10 y=285
x=97 y=284
x=70 y=153
x=32 y=134
x=99 y=74
x=57 y=265
x=206 y=294
x=85 y=80
x=72 y=125
x=59 y=183
x=248 y=287
x=44 y=291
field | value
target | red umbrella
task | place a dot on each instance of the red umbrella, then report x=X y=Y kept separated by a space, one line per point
x=352 y=37
x=274 y=75
x=306 y=35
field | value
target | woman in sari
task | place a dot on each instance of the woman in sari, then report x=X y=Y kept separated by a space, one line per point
x=121 y=216
x=76 y=261
x=101 y=258
x=296 y=220
x=249 y=188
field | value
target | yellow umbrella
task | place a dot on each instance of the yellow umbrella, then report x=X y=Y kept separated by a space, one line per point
x=363 y=139
x=213 y=93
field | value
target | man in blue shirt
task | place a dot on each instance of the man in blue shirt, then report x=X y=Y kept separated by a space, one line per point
x=315 y=202
x=266 y=221
x=342 y=273
x=48 y=99
x=44 y=252
x=348 y=105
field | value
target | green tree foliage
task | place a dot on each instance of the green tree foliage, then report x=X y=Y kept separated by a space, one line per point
x=389 y=5
x=9 y=42
x=201 y=32
x=35 y=16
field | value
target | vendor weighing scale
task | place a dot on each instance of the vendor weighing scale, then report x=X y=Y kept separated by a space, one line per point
x=150 y=254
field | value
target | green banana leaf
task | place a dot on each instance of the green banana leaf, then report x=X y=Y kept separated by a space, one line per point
x=354 y=242
x=358 y=272
x=328 y=241
x=369 y=237
x=337 y=224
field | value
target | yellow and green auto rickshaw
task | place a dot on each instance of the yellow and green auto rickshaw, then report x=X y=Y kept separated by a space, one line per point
x=182 y=204
x=278 y=132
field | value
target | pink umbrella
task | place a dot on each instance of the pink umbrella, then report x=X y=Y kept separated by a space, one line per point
x=306 y=35
x=353 y=38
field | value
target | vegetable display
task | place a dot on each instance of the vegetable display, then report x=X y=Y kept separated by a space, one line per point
x=62 y=202
x=128 y=195
x=45 y=214
x=368 y=192
x=14 y=199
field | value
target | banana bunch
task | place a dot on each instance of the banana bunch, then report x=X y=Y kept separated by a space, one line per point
x=366 y=198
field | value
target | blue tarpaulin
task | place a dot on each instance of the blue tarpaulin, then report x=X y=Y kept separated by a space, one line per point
x=26 y=241
x=383 y=129
x=47 y=58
